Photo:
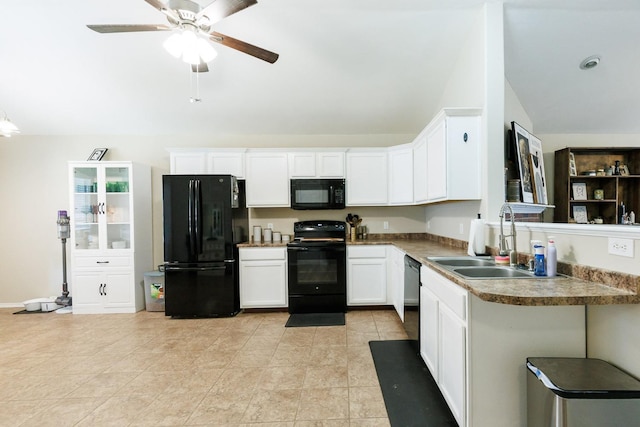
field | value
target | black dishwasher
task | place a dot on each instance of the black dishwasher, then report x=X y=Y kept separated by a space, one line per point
x=412 y=298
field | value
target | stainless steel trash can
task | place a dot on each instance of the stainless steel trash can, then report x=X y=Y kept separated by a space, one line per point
x=582 y=392
x=154 y=290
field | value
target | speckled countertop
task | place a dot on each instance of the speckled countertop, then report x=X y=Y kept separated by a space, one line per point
x=578 y=285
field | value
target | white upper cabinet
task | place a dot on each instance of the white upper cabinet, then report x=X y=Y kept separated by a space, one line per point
x=207 y=161
x=367 y=177
x=226 y=163
x=446 y=159
x=267 y=179
x=188 y=162
x=420 y=168
x=316 y=164
x=401 y=175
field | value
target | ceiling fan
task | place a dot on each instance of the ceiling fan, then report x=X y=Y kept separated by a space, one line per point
x=190 y=17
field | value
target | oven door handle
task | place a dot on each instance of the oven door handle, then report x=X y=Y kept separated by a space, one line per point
x=298 y=248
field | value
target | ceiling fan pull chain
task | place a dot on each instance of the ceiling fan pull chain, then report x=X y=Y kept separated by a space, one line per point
x=197 y=94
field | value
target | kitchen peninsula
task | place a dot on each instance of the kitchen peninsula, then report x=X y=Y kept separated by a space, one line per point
x=477 y=334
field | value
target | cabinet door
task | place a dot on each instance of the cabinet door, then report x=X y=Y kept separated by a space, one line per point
x=367 y=178
x=437 y=162
x=188 y=163
x=263 y=284
x=366 y=281
x=267 y=182
x=396 y=281
x=420 y=169
x=86 y=289
x=452 y=361
x=463 y=158
x=330 y=165
x=401 y=176
x=226 y=163
x=429 y=319
x=302 y=165
x=118 y=289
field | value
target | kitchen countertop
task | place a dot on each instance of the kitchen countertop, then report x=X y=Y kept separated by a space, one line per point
x=561 y=290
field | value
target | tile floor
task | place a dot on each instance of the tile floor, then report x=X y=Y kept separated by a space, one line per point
x=145 y=369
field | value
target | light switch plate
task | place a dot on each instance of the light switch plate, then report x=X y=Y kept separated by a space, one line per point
x=621 y=247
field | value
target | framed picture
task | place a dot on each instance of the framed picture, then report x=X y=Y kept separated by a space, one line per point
x=579 y=191
x=572 y=165
x=521 y=137
x=580 y=214
x=536 y=165
x=98 y=154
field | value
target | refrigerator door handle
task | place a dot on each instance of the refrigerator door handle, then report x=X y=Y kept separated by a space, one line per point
x=170 y=269
x=190 y=218
x=198 y=214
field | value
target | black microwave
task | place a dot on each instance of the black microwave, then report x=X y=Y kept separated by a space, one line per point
x=317 y=193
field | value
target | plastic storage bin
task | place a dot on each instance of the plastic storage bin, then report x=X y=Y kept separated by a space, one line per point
x=580 y=392
x=154 y=290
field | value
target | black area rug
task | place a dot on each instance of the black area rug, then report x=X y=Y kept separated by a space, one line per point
x=30 y=312
x=315 y=319
x=410 y=394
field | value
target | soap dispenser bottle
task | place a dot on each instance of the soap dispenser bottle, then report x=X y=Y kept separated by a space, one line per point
x=539 y=267
x=552 y=257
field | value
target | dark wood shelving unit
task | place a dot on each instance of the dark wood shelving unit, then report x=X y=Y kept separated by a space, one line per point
x=617 y=188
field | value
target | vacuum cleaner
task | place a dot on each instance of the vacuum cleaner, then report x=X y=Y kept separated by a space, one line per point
x=64 y=232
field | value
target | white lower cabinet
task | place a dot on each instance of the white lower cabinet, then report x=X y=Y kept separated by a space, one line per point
x=102 y=290
x=476 y=350
x=263 y=277
x=396 y=280
x=367 y=275
x=443 y=337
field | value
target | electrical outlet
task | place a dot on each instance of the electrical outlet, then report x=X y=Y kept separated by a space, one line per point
x=385 y=225
x=621 y=247
x=461 y=228
x=270 y=225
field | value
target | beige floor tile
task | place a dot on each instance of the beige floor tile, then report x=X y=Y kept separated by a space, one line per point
x=330 y=335
x=286 y=355
x=282 y=378
x=334 y=355
x=272 y=405
x=326 y=376
x=366 y=402
x=323 y=404
x=147 y=369
x=219 y=409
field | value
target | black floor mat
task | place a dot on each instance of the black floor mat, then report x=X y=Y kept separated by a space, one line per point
x=30 y=312
x=410 y=394
x=315 y=319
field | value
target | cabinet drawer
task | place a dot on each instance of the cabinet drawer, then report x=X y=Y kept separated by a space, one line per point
x=447 y=292
x=374 y=251
x=102 y=261
x=262 y=253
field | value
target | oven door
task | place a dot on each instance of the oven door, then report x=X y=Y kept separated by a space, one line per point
x=317 y=277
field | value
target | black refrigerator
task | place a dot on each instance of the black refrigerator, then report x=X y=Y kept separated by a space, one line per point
x=205 y=216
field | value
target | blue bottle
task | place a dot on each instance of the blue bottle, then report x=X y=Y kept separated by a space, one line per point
x=539 y=267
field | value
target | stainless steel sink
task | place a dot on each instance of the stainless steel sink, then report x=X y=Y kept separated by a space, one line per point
x=463 y=261
x=481 y=268
x=493 y=273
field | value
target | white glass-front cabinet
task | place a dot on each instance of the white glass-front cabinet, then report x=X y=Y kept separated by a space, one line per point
x=110 y=235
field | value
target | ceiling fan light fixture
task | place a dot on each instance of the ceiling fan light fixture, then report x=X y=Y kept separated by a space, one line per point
x=6 y=127
x=190 y=47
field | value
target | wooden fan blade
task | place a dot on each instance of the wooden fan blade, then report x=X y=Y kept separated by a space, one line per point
x=220 y=9
x=127 y=28
x=247 y=48
x=157 y=4
x=200 y=68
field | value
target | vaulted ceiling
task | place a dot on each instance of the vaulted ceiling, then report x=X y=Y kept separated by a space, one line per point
x=345 y=67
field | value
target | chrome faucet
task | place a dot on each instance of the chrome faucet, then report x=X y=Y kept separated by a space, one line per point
x=504 y=248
